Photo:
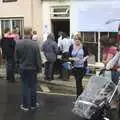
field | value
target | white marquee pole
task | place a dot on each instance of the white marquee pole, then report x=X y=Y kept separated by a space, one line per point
x=99 y=47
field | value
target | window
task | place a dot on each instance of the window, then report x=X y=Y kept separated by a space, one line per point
x=9 y=0
x=89 y=37
x=11 y=23
x=62 y=12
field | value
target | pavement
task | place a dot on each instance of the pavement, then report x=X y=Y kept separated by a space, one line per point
x=57 y=81
x=69 y=83
x=63 y=86
x=52 y=107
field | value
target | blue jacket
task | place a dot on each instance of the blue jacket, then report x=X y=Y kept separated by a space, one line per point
x=85 y=53
x=50 y=50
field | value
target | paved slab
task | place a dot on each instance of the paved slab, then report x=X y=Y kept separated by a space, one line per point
x=45 y=88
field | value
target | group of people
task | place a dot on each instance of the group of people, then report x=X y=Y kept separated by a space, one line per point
x=25 y=55
x=71 y=51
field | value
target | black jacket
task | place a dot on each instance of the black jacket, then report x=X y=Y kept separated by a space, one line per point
x=8 y=47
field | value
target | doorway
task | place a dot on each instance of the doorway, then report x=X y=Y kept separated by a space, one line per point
x=60 y=25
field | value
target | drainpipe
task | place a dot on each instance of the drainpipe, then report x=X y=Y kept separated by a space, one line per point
x=32 y=14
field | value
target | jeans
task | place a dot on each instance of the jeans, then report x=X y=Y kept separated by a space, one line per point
x=29 y=82
x=115 y=76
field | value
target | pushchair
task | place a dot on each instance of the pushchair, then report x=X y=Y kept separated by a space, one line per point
x=95 y=101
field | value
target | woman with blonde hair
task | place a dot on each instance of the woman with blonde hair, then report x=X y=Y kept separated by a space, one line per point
x=79 y=55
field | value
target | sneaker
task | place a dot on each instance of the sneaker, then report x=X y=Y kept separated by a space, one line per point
x=106 y=118
x=24 y=108
x=37 y=106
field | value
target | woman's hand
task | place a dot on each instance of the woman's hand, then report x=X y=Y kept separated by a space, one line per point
x=72 y=58
x=85 y=58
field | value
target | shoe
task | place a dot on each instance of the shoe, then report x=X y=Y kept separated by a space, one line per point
x=73 y=102
x=24 y=108
x=106 y=118
x=37 y=106
x=33 y=108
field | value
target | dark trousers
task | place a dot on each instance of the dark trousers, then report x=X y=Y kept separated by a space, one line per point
x=10 y=69
x=115 y=76
x=58 y=67
x=29 y=81
x=49 y=70
x=79 y=74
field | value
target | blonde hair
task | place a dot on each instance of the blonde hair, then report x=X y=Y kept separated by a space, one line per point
x=78 y=37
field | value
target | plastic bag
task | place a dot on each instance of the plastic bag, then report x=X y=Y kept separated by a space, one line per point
x=68 y=65
x=98 y=90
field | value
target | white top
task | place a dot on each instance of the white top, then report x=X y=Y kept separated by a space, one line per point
x=59 y=41
x=65 y=44
x=35 y=37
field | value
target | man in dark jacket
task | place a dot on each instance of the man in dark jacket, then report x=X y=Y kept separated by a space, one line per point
x=50 y=50
x=29 y=60
x=8 y=52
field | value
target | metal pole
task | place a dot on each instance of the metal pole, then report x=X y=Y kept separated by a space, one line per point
x=83 y=37
x=95 y=37
x=98 y=46
x=108 y=34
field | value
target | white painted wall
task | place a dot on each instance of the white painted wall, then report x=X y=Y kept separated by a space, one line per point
x=21 y=8
x=37 y=15
x=46 y=20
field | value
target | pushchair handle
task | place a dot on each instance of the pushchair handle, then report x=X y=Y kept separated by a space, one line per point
x=102 y=71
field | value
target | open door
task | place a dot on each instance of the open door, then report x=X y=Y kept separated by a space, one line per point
x=60 y=25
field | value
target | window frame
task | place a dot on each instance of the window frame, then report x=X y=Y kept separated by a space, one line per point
x=7 y=1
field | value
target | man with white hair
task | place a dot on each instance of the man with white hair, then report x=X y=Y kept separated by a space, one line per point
x=50 y=50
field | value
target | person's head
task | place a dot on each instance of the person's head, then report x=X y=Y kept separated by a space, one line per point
x=60 y=33
x=64 y=35
x=78 y=40
x=7 y=30
x=51 y=36
x=107 y=42
x=15 y=31
x=28 y=31
x=34 y=32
